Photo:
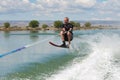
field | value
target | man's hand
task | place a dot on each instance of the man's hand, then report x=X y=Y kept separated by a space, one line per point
x=65 y=31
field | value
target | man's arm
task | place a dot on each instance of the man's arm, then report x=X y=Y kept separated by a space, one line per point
x=70 y=29
x=63 y=29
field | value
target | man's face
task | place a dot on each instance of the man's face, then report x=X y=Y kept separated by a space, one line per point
x=66 y=20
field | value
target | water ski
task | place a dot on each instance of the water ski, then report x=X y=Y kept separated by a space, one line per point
x=53 y=44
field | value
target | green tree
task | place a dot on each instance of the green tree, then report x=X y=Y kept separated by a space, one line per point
x=77 y=24
x=34 y=23
x=44 y=26
x=87 y=24
x=6 y=24
x=73 y=23
x=57 y=24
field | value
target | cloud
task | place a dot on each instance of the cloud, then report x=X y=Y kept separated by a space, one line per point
x=61 y=7
x=52 y=5
x=7 y=6
x=26 y=1
x=107 y=18
x=44 y=5
x=109 y=5
x=86 y=3
x=118 y=14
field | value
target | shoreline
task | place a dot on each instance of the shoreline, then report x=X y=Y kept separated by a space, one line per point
x=52 y=28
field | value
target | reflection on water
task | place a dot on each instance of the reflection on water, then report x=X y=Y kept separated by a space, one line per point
x=6 y=34
x=34 y=35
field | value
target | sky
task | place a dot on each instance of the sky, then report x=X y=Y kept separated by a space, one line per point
x=58 y=9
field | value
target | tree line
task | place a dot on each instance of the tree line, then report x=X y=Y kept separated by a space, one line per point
x=56 y=24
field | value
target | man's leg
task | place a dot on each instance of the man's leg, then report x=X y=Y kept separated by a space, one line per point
x=69 y=35
x=63 y=38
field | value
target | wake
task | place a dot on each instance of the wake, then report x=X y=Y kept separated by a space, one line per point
x=100 y=64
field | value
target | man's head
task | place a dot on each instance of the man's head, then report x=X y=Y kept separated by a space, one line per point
x=66 y=20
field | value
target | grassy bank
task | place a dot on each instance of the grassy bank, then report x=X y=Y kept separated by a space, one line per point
x=51 y=28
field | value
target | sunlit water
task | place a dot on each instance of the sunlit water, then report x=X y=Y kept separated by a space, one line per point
x=93 y=55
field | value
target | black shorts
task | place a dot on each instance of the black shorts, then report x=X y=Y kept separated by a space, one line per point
x=66 y=37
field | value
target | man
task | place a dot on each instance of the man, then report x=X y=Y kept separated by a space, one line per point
x=66 y=32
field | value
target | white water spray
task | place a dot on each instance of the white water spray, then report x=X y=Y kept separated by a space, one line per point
x=98 y=65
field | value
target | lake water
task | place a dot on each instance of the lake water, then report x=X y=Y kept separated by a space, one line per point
x=93 y=55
